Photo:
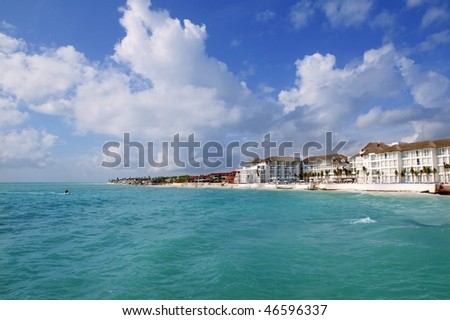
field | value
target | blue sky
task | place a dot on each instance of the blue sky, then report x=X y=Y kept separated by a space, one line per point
x=76 y=74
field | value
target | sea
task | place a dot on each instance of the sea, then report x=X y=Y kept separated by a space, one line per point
x=106 y=241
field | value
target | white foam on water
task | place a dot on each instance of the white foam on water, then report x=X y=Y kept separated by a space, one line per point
x=363 y=220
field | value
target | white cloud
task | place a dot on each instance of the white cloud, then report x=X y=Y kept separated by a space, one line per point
x=7 y=26
x=160 y=81
x=345 y=99
x=434 y=15
x=384 y=20
x=36 y=77
x=347 y=12
x=10 y=45
x=301 y=13
x=265 y=15
x=381 y=118
x=429 y=89
x=321 y=86
x=10 y=115
x=26 y=148
x=434 y=40
x=163 y=81
x=235 y=43
x=425 y=130
x=414 y=3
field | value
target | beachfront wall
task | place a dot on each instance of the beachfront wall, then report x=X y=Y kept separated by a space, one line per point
x=418 y=162
x=403 y=187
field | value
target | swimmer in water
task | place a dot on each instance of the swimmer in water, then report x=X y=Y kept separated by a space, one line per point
x=66 y=192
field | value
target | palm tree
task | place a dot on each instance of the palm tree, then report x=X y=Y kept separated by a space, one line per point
x=434 y=174
x=412 y=174
x=327 y=174
x=365 y=171
x=396 y=175
x=378 y=175
x=427 y=171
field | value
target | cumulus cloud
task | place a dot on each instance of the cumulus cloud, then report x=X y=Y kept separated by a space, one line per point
x=10 y=115
x=329 y=98
x=38 y=76
x=320 y=85
x=346 y=12
x=159 y=81
x=27 y=147
x=178 y=83
x=9 y=45
x=429 y=88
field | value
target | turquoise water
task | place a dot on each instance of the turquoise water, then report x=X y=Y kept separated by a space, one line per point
x=123 y=242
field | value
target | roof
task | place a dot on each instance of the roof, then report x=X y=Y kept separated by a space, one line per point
x=277 y=158
x=381 y=147
x=335 y=158
x=442 y=143
x=375 y=147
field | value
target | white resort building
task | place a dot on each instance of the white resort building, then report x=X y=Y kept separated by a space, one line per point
x=418 y=162
x=377 y=163
x=272 y=169
x=328 y=168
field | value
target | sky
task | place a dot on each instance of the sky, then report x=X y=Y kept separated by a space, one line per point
x=75 y=75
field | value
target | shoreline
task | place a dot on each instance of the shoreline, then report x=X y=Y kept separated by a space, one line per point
x=414 y=188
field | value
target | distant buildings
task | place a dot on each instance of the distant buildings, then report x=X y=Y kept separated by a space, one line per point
x=271 y=170
x=216 y=177
x=378 y=162
x=424 y=161
x=329 y=168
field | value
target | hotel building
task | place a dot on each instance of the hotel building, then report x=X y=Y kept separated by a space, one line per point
x=272 y=169
x=378 y=162
x=329 y=168
x=417 y=162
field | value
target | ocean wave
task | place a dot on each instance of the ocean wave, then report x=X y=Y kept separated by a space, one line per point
x=362 y=220
x=427 y=225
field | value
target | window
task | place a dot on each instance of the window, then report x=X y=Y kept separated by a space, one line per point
x=418 y=161
x=417 y=153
